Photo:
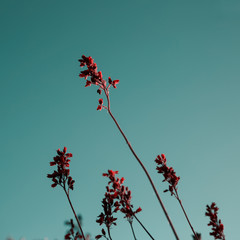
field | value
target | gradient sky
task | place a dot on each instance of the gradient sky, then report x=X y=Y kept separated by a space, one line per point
x=179 y=65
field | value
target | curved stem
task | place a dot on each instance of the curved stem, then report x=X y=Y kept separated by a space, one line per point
x=143 y=167
x=79 y=225
x=109 y=233
x=144 y=228
x=132 y=230
x=180 y=202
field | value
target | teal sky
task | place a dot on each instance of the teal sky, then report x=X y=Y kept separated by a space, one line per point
x=179 y=65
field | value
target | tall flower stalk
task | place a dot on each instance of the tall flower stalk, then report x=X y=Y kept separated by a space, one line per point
x=117 y=198
x=171 y=177
x=62 y=178
x=217 y=226
x=96 y=78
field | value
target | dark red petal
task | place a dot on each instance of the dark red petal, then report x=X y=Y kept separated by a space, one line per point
x=114 y=83
x=55 y=180
x=100 y=101
x=67 y=236
x=99 y=107
x=64 y=149
x=122 y=180
x=54 y=185
x=69 y=155
x=138 y=210
x=81 y=75
x=88 y=83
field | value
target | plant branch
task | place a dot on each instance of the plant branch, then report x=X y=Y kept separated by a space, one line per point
x=180 y=202
x=130 y=222
x=79 y=225
x=143 y=167
x=108 y=228
x=144 y=228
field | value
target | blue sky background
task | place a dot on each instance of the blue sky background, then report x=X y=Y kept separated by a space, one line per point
x=178 y=65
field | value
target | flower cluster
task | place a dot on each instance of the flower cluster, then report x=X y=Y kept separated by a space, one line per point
x=96 y=77
x=71 y=235
x=61 y=176
x=217 y=226
x=106 y=217
x=168 y=173
x=121 y=194
x=117 y=197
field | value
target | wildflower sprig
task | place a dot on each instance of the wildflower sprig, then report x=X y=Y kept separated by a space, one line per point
x=121 y=194
x=168 y=173
x=118 y=198
x=217 y=226
x=171 y=177
x=71 y=235
x=95 y=77
x=61 y=177
x=106 y=217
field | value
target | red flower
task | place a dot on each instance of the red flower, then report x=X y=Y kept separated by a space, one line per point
x=168 y=173
x=138 y=210
x=100 y=101
x=99 y=107
x=88 y=84
x=116 y=198
x=96 y=77
x=121 y=195
x=217 y=226
x=100 y=75
x=100 y=104
x=109 y=80
x=61 y=176
x=114 y=83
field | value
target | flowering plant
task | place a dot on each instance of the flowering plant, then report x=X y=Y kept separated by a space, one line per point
x=118 y=197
